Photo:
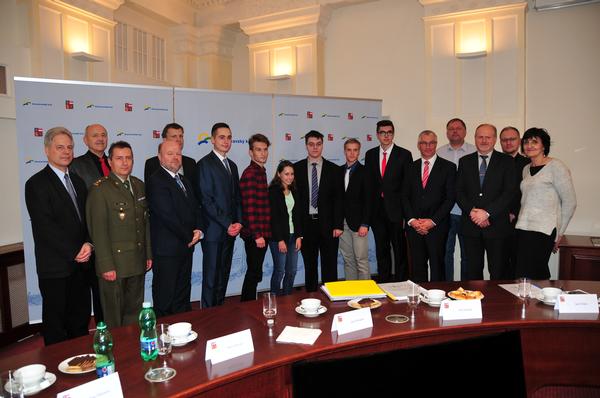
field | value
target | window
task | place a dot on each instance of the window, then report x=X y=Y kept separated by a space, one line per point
x=121 y=46
x=140 y=52
x=158 y=58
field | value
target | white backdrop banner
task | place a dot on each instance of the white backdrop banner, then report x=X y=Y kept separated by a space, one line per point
x=137 y=114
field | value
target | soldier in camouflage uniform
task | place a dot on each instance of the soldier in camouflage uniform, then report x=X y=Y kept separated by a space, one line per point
x=117 y=218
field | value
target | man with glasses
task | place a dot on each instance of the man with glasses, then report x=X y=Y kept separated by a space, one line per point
x=386 y=165
x=510 y=140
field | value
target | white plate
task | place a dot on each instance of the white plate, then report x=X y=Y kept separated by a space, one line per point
x=64 y=366
x=354 y=304
x=49 y=379
x=321 y=310
x=181 y=342
x=426 y=301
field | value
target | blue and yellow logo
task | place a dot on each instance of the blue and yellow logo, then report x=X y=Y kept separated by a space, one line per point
x=203 y=138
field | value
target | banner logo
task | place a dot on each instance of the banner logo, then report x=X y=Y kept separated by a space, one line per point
x=328 y=115
x=350 y=116
x=369 y=117
x=155 y=134
x=203 y=138
x=34 y=161
x=151 y=108
x=369 y=137
x=92 y=106
x=69 y=104
x=288 y=114
x=121 y=133
x=329 y=137
x=288 y=136
x=38 y=132
x=31 y=103
x=128 y=107
x=309 y=115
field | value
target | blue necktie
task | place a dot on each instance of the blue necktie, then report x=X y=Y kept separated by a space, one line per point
x=482 y=169
x=314 y=195
x=72 y=194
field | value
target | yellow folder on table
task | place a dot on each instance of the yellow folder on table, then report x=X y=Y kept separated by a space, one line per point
x=348 y=290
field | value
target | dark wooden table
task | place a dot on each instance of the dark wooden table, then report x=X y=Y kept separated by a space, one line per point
x=555 y=351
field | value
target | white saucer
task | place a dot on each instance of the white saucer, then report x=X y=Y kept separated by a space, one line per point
x=49 y=379
x=321 y=310
x=549 y=302
x=180 y=342
x=426 y=301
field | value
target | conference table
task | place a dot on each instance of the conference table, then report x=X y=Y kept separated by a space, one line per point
x=552 y=347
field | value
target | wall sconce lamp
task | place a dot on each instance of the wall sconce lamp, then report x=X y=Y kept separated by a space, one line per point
x=86 y=57
x=279 y=77
x=471 y=39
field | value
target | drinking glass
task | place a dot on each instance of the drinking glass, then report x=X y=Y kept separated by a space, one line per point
x=524 y=288
x=164 y=345
x=164 y=339
x=269 y=307
x=9 y=386
x=413 y=299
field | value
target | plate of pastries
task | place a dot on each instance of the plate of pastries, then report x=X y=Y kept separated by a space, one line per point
x=462 y=294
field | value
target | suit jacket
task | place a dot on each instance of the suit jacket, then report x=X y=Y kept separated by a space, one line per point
x=175 y=214
x=58 y=233
x=357 y=199
x=85 y=167
x=219 y=196
x=520 y=162
x=391 y=183
x=119 y=226
x=436 y=200
x=331 y=214
x=494 y=197
x=280 y=225
x=188 y=164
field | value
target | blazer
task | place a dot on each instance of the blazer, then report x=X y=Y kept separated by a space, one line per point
x=219 y=196
x=331 y=215
x=188 y=164
x=357 y=200
x=174 y=213
x=85 y=167
x=436 y=200
x=280 y=225
x=391 y=183
x=494 y=197
x=58 y=233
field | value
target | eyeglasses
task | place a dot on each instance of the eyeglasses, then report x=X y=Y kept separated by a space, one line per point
x=386 y=133
x=424 y=143
x=508 y=139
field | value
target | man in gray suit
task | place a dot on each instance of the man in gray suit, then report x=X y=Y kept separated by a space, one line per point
x=91 y=166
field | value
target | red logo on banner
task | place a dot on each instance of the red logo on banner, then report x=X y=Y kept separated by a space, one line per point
x=350 y=116
x=288 y=136
x=128 y=107
x=38 y=132
x=155 y=134
x=369 y=137
x=329 y=137
x=68 y=104
x=309 y=115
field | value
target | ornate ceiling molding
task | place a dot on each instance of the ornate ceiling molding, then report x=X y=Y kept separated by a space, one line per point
x=444 y=7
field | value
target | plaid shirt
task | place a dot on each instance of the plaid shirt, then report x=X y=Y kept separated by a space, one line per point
x=256 y=214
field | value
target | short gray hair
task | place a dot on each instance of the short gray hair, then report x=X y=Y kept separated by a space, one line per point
x=427 y=132
x=53 y=132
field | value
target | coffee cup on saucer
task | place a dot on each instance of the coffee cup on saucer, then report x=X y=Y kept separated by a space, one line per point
x=435 y=296
x=310 y=305
x=551 y=293
x=31 y=375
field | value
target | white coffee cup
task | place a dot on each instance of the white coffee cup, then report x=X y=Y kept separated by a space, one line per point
x=310 y=305
x=180 y=330
x=435 y=296
x=30 y=375
x=550 y=293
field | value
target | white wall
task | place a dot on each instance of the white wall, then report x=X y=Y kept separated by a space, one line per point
x=240 y=79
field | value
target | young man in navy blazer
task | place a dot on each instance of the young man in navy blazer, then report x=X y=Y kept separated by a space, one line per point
x=428 y=196
x=386 y=165
x=221 y=203
x=175 y=229
x=484 y=190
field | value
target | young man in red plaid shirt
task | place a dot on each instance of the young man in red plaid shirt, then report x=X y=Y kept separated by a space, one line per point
x=256 y=217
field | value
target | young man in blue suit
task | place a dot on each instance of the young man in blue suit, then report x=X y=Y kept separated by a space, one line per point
x=221 y=202
x=175 y=228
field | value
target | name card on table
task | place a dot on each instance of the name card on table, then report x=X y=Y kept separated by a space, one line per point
x=452 y=310
x=351 y=321
x=108 y=386
x=577 y=304
x=229 y=346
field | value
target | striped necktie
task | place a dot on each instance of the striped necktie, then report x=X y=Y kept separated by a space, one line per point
x=425 y=174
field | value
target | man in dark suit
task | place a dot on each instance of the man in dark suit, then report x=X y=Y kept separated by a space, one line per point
x=428 y=196
x=386 y=165
x=90 y=167
x=354 y=242
x=172 y=132
x=484 y=190
x=55 y=200
x=220 y=200
x=175 y=228
x=510 y=140
x=317 y=181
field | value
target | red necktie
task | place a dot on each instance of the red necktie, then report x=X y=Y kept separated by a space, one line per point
x=425 y=174
x=105 y=169
x=383 y=163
